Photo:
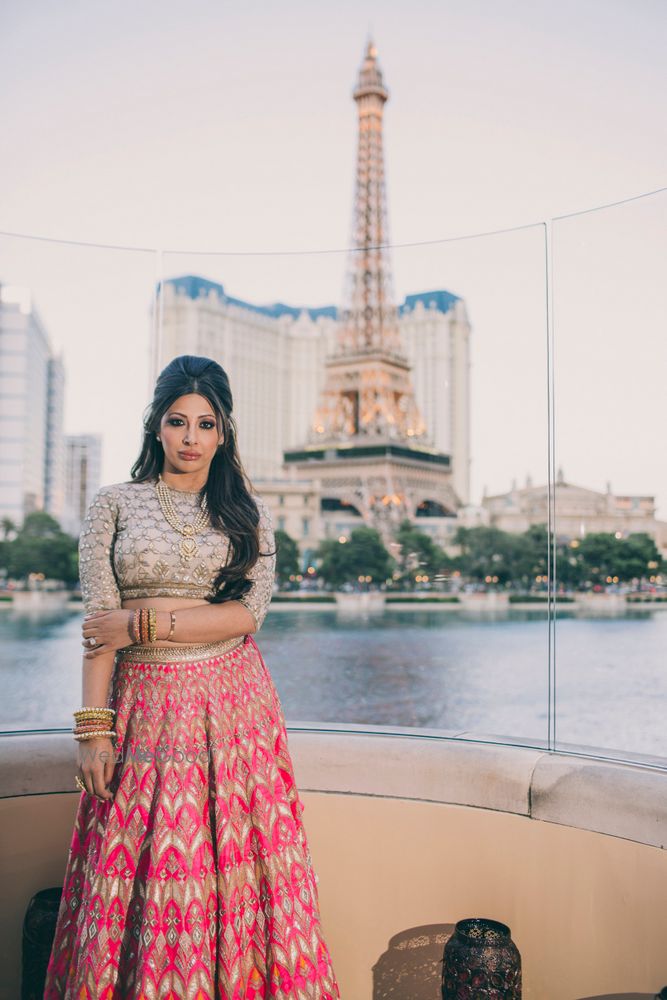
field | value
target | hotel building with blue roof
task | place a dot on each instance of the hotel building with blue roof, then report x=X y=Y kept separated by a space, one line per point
x=275 y=358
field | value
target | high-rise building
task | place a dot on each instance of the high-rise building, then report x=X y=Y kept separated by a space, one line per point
x=54 y=465
x=83 y=463
x=274 y=356
x=435 y=333
x=31 y=412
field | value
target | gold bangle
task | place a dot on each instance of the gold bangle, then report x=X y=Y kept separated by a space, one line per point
x=152 y=625
x=136 y=624
x=95 y=729
x=173 y=624
x=144 y=626
x=95 y=734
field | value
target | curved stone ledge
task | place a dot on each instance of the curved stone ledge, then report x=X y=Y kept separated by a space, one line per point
x=622 y=800
x=618 y=799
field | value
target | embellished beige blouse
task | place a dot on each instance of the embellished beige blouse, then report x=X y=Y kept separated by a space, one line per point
x=127 y=549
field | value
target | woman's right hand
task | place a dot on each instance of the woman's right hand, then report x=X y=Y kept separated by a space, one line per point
x=96 y=759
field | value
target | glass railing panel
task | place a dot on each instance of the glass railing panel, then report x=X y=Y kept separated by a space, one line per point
x=610 y=477
x=458 y=639
x=74 y=364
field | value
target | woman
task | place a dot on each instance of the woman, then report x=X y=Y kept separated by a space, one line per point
x=189 y=875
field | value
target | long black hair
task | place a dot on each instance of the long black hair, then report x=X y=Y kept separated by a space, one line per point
x=231 y=506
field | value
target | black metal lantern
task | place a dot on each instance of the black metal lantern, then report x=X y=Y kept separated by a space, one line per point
x=481 y=962
x=39 y=926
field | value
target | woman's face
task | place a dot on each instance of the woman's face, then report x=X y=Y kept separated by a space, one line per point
x=189 y=434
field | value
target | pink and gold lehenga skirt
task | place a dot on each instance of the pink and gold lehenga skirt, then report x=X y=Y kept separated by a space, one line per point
x=195 y=882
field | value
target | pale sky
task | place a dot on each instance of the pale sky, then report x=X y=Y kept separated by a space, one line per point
x=230 y=128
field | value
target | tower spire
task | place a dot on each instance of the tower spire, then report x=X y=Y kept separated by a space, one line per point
x=369 y=317
x=368 y=391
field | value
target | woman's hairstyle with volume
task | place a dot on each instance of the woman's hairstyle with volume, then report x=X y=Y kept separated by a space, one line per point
x=228 y=489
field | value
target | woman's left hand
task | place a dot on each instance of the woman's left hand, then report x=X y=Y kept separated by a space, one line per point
x=109 y=629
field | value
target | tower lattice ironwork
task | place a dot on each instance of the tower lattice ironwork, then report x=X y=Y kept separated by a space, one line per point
x=368 y=445
x=368 y=390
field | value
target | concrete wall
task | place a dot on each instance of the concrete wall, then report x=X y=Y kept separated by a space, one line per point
x=410 y=833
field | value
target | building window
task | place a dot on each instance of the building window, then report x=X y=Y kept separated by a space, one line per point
x=306 y=525
x=281 y=523
x=281 y=499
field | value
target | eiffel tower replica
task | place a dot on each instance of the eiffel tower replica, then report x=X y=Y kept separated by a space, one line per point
x=368 y=444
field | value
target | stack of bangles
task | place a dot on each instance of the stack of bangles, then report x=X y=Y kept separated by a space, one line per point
x=93 y=723
x=144 y=625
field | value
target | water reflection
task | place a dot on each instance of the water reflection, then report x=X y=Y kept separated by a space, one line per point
x=480 y=673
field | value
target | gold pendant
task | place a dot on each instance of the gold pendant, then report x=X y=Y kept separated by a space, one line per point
x=188 y=548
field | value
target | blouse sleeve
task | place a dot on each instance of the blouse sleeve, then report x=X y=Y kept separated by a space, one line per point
x=99 y=587
x=258 y=598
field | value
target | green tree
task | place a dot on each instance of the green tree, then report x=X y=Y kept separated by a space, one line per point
x=599 y=555
x=524 y=557
x=600 y=552
x=515 y=559
x=418 y=554
x=362 y=555
x=41 y=547
x=8 y=527
x=488 y=551
x=287 y=556
x=571 y=567
x=639 y=557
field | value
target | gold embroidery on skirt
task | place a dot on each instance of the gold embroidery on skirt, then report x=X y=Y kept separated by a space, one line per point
x=165 y=654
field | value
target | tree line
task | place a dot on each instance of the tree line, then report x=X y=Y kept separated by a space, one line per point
x=482 y=555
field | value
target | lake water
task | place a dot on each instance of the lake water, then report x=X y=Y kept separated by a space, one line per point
x=483 y=674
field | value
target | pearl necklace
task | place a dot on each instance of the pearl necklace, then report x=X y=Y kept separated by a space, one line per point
x=188 y=546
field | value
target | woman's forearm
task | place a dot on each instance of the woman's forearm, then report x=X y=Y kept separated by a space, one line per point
x=95 y=680
x=206 y=622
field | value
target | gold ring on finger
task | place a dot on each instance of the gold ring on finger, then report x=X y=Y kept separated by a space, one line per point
x=79 y=783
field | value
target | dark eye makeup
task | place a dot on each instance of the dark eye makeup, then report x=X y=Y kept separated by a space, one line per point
x=207 y=424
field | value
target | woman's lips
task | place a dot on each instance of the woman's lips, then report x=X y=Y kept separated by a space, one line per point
x=188 y=455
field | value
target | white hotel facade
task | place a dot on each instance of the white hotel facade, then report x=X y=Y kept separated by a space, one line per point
x=274 y=356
